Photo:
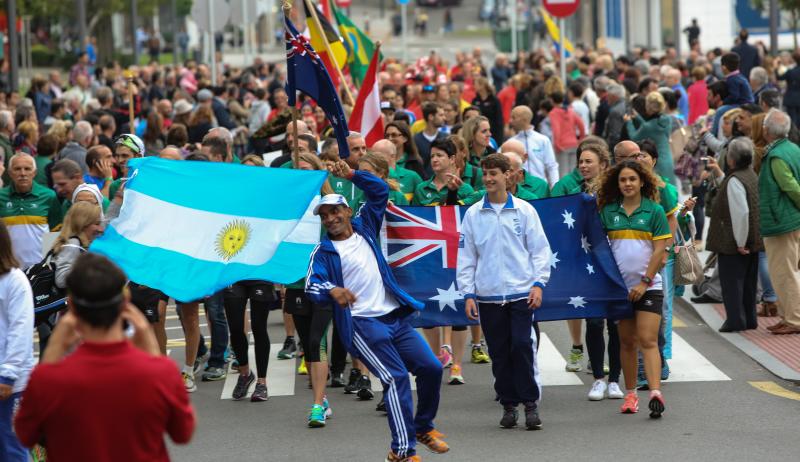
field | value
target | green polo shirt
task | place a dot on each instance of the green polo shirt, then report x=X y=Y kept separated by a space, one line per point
x=397 y=198
x=41 y=174
x=536 y=185
x=473 y=176
x=525 y=194
x=408 y=180
x=112 y=190
x=427 y=194
x=570 y=184
x=344 y=187
x=669 y=197
x=28 y=216
x=631 y=237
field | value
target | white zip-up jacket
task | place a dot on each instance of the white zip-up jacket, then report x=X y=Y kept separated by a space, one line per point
x=16 y=330
x=502 y=253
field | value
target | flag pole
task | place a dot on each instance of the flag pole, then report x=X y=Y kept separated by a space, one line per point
x=287 y=8
x=313 y=10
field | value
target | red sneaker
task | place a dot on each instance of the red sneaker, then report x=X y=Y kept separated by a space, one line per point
x=631 y=404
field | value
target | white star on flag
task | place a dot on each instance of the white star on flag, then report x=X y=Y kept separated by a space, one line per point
x=554 y=259
x=585 y=244
x=568 y=220
x=577 y=302
x=448 y=297
x=590 y=268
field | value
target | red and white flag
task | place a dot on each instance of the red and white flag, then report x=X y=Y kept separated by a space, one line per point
x=366 y=116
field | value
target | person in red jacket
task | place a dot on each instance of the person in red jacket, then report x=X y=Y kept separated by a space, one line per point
x=111 y=399
x=568 y=130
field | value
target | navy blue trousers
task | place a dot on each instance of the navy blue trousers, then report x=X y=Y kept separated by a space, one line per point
x=512 y=343
x=391 y=348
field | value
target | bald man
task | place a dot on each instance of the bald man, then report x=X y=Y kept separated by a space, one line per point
x=516 y=177
x=533 y=184
x=626 y=150
x=408 y=179
x=171 y=153
x=541 y=159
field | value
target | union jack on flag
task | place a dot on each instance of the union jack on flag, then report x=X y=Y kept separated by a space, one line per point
x=298 y=44
x=421 y=245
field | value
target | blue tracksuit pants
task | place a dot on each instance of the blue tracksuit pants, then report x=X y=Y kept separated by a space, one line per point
x=512 y=343
x=391 y=348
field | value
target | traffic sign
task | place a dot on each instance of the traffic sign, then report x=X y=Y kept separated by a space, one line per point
x=561 y=8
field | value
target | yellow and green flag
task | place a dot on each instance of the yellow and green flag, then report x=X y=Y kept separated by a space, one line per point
x=361 y=47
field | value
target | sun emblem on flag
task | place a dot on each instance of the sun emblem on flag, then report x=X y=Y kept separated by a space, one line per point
x=232 y=239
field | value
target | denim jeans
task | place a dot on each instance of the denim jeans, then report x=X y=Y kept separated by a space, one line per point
x=217 y=324
x=11 y=450
x=768 y=294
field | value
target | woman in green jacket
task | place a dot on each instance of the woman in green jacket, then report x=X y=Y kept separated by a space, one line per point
x=657 y=127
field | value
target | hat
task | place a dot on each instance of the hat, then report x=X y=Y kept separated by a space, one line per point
x=204 y=95
x=331 y=199
x=427 y=88
x=92 y=188
x=386 y=105
x=131 y=141
x=182 y=107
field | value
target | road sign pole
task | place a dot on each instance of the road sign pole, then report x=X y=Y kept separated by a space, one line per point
x=562 y=50
x=404 y=23
x=513 y=16
x=212 y=45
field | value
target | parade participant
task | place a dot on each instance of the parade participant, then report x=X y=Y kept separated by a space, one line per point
x=90 y=340
x=445 y=181
x=638 y=231
x=477 y=133
x=515 y=175
x=377 y=165
x=534 y=184
x=312 y=322
x=469 y=174
x=81 y=226
x=434 y=119
x=127 y=147
x=31 y=210
x=349 y=271
x=408 y=180
x=504 y=295
x=16 y=345
x=407 y=155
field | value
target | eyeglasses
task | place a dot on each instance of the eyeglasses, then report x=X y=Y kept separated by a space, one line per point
x=632 y=156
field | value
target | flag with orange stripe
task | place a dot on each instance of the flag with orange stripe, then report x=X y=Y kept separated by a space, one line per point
x=316 y=37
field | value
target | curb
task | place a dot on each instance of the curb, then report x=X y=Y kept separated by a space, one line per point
x=769 y=362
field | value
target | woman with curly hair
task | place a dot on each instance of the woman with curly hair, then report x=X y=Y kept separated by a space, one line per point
x=638 y=232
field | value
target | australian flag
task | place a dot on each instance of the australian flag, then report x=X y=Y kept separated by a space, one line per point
x=305 y=72
x=422 y=244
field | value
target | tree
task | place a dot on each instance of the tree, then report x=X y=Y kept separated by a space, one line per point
x=792 y=6
x=97 y=9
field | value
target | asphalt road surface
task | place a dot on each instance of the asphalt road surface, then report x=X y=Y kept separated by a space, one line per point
x=713 y=412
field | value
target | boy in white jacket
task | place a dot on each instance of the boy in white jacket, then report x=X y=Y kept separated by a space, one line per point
x=503 y=266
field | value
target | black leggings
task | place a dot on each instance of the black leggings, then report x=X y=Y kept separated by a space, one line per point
x=235 y=307
x=596 y=346
x=313 y=331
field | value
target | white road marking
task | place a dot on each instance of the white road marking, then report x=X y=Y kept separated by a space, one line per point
x=689 y=365
x=552 y=364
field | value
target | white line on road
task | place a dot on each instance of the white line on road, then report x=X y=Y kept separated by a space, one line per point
x=689 y=365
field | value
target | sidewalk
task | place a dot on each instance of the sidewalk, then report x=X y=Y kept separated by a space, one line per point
x=780 y=354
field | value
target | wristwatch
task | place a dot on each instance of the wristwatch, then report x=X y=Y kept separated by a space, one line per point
x=647 y=280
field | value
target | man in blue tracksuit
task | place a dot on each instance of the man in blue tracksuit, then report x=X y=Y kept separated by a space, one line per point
x=503 y=265
x=371 y=312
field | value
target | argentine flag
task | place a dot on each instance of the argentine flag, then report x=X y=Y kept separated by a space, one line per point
x=191 y=228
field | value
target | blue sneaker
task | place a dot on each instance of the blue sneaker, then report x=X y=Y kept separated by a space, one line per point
x=327 y=407
x=665 y=371
x=316 y=418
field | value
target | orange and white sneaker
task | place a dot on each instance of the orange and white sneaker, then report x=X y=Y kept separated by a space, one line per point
x=631 y=404
x=656 y=404
x=433 y=441
x=455 y=375
x=392 y=457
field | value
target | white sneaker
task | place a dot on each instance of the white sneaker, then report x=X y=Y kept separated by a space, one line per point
x=188 y=382
x=598 y=391
x=575 y=359
x=614 y=392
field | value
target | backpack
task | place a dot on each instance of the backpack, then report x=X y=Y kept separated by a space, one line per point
x=47 y=297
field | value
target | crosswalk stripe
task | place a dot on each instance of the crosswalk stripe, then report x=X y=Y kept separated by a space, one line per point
x=689 y=365
x=552 y=365
x=280 y=374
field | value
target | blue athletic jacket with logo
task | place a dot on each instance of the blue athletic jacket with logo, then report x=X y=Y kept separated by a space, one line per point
x=325 y=268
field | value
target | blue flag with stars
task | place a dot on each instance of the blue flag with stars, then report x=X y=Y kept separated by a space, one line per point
x=305 y=72
x=421 y=246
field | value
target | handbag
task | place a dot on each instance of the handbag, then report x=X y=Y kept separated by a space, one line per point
x=687 y=269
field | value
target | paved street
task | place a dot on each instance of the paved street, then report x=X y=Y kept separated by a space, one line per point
x=714 y=413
